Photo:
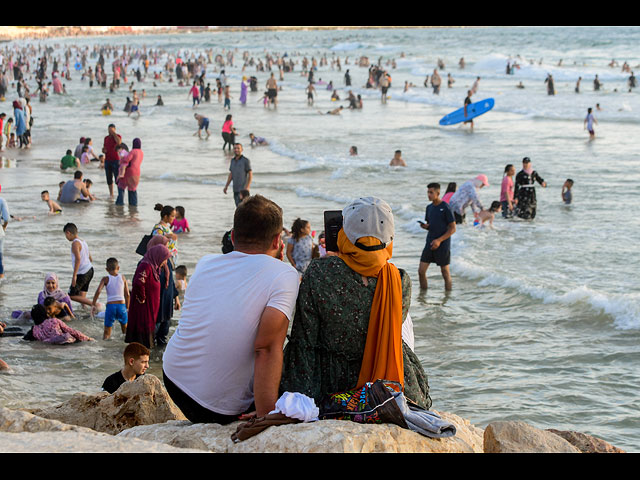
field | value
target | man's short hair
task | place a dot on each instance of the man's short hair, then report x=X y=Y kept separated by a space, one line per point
x=77 y=175
x=256 y=221
x=69 y=152
x=112 y=263
x=135 y=350
x=44 y=191
x=71 y=228
x=434 y=186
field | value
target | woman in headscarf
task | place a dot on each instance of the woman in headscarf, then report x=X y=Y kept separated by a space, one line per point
x=350 y=310
x=21 y=123
x=467 y=195
x=525 y=191
x=168 y=295
x=52 y=289
x=243 y=91
x=129 y=174
x=145 y=296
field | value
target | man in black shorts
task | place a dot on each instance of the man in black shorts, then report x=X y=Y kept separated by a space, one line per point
x=441 y=225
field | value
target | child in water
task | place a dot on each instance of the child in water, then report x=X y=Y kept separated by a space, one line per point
x=54 y=208
x=181 y=280
x=488 y=215
x=451 y=189
x=117 y=298
x=57 y=309
x=53 y=330
x=91 y=197
x=567 y=196
x=180 y=223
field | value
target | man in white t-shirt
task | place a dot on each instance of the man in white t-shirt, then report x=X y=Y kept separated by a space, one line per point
x=225 y=357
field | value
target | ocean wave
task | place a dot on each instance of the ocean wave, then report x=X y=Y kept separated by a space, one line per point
x=623 y=309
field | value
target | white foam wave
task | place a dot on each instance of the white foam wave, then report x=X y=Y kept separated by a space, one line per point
x=624 y=309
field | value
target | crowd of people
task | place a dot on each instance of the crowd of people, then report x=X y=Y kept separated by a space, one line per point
x=348 y=307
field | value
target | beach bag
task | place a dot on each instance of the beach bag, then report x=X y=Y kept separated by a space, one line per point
x=373 y=403
x=142 y=246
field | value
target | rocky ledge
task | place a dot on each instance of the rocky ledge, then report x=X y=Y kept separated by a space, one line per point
x=140 y=417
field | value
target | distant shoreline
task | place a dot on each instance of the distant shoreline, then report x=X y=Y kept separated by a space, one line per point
x=8 y=34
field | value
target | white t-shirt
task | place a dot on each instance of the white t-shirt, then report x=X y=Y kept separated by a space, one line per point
x=210 y=357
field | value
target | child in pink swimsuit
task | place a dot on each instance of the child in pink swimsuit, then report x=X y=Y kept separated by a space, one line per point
x=180 y=223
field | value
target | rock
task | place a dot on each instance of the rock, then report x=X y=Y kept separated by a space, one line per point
x=326 y=436
x=141 y=402
x=518 y=437
x=23 y=432
x=586 y=443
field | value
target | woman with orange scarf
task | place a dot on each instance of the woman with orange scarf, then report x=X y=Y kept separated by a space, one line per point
x=347 y=328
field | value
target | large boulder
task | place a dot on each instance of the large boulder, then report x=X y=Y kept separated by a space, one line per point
x=519 y=437
x=23 y=432
x=586 y=443
x=141 y=402
x=325 y=436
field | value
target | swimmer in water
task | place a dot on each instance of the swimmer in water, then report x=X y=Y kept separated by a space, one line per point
x=397 y=160
x=257 y=141
x=567 y=196
x=335 y=111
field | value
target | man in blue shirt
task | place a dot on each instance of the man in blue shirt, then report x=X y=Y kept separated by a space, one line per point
x=441 y=224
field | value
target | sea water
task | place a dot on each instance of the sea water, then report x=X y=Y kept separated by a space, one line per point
x=543 y=322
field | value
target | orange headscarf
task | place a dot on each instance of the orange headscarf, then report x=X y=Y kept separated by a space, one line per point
x=382 y=359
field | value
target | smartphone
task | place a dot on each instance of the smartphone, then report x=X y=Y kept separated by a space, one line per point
x=332 y=225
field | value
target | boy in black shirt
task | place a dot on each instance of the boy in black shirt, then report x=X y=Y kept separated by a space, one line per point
x=136 y=362
x=441 y=224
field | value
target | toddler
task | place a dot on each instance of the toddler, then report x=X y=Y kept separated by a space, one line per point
x=488 y=215
x=117 y=298
x=180 y=223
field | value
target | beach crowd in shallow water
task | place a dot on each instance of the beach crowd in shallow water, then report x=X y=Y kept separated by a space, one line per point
x=325 y=354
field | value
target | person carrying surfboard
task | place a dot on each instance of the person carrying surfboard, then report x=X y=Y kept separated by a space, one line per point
x=467 y=101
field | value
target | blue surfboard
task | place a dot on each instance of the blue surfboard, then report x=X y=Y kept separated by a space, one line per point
x=473 y=110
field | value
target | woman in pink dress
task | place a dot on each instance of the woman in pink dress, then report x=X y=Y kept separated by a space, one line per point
x=129 y=174
x=145 y=296
x=53 y=330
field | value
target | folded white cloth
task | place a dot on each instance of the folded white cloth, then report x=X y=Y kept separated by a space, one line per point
x=298 y=406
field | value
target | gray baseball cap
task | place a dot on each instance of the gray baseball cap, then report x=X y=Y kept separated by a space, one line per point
x=368 y=217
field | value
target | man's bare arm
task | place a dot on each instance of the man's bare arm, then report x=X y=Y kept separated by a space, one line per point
x=268 y=347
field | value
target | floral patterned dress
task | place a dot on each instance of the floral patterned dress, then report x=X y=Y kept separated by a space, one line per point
x=329 y=333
